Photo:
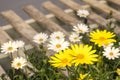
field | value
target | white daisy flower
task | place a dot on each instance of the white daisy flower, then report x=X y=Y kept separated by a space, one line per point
x=111 y=53
x=83 y=13
x=57 y=35
x=40 y=38
x=81 y=28
x=9 y=47
x=19 y=63
x=20 y=43
x=75 y=37
x=57 y=45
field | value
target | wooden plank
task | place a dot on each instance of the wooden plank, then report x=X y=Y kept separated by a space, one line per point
x=116 y=2
x=30 y=21
x=4 y=36
x=42 y=20
x=60 y=14
x=18 y=23
x=23 y=28
x=104 y=8
x=93 y=16
x=3 y=72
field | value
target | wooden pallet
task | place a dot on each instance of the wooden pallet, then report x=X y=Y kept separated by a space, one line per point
x=59 y=20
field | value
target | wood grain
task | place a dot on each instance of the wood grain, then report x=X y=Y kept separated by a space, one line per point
x=93 y=16
x=116 y=2
x=19 y=24
x=104 y=8
x=60 y=14
x=42 y=20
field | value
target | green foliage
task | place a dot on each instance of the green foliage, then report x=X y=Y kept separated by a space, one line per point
x=44 y=70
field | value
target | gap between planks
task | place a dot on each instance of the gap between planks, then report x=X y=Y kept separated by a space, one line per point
x=29 y=21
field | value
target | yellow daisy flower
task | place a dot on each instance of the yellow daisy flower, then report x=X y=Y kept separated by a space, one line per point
x=83 y=54
x=83 y=76
x=61 y=59
x=102 y=37
x=118 y=71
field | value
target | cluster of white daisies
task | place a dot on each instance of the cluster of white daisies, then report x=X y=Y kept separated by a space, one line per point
x=12 y=47
x=56 y=42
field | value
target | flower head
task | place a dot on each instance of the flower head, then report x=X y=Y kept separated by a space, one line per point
x=57 y=35
x=81 y=28
x=83 y=13
x=57 y=45
x=83 y=76
x=118 y=71
x=83 y=54
x=61 y=59
x=40 y=38
x=19 y=63
x=75 y=37
x=19 y=43
x=102 y=37
x=9 y=47
x=111 y=52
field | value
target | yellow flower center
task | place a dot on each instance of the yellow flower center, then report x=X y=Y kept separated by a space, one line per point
x=75 y=38
x=57 y=37
x=58 y=46
x=80 y=30
x=101 y=38
x=18 y=64
x=64 y=60
x=80 y=56
x=111 y=53
x=10 y=48
x=40 y=39
x=82 y=14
